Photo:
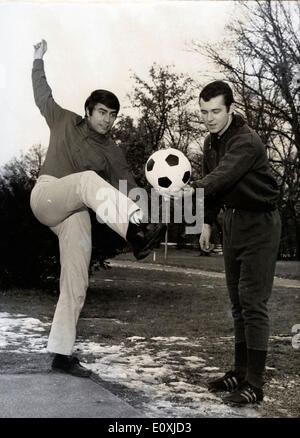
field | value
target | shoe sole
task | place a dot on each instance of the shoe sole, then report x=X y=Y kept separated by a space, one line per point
x=149 y=246
x=221 y=390
x=240 y=405
x=59 y=370
x=236 y=403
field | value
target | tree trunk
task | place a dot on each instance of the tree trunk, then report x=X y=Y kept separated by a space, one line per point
x=297 y=226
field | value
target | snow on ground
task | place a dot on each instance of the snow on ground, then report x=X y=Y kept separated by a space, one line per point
x=22 y=334
x=145 y=365
x=153 y=368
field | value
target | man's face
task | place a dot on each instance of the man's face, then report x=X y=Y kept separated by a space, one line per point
x=214 y=114
x=102 y=118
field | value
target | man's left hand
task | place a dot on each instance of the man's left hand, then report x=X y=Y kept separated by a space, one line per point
x=175 y=194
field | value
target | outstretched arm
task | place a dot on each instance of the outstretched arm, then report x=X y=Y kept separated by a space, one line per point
x=41 y=90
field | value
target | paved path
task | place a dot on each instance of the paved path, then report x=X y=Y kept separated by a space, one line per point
x=278 y=282
x=55 y=395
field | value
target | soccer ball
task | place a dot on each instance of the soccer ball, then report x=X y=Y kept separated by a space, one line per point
x=168 y=169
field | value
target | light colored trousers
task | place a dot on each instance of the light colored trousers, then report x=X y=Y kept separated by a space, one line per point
x=62 y=204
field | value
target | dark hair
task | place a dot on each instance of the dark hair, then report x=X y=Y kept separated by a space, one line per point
x=217 y=88
x=105 y=97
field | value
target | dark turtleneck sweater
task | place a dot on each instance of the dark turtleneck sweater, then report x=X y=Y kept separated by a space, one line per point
x=236 y=172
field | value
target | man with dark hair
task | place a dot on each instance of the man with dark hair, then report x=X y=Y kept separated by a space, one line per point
x=105 y=97
x=218 y=88
x=237 y=178
x=82 y=170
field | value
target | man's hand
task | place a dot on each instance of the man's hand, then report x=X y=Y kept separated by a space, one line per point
x=136 y=217
x=40 y=49
x=175 y=194
x=204 y=240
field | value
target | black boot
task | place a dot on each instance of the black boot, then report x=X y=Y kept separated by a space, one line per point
x=246 y=393
x=70 y=365
x=233 y=378
x=144 y=237
x=256 y=367
x=240 y=358
x=250 y=391
x=229 y=382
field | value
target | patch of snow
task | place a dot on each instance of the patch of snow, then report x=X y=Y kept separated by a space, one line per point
x=269 y=399
x=193 y=359
x=117 y=321
x=136 y=338
x=210 y=368
x=145 y=372
x=175 y=340
x=169 y=339
x=95 y=348
x=213 y=375
x=275 y=381
x=21 y=334
x=183 y=386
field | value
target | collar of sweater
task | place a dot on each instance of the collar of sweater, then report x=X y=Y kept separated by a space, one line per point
x=237 y=122
x=103 y=139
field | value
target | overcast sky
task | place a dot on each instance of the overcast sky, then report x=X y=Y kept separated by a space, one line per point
x=90 y=46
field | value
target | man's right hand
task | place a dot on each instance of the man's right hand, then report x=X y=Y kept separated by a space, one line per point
x=204 y=240
x=40 y=49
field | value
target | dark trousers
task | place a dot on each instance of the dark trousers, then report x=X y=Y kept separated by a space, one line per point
x=250 y=245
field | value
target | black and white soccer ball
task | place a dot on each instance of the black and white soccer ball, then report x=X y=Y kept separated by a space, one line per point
x=168 y=169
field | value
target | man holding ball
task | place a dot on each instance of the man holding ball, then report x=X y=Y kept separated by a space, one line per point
x=237 y=178
x=82 y=170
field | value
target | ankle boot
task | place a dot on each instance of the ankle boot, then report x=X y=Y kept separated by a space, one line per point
x=144 y=237
x=256 y=366
x=240 y=358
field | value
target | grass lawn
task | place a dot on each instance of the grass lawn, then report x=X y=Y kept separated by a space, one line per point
x=191 y=259
x=155 y=337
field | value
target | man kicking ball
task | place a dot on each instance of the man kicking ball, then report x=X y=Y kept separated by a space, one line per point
x=82 y=170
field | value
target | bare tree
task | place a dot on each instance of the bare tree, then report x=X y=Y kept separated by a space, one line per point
x=165 y=105
x=264 y=49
